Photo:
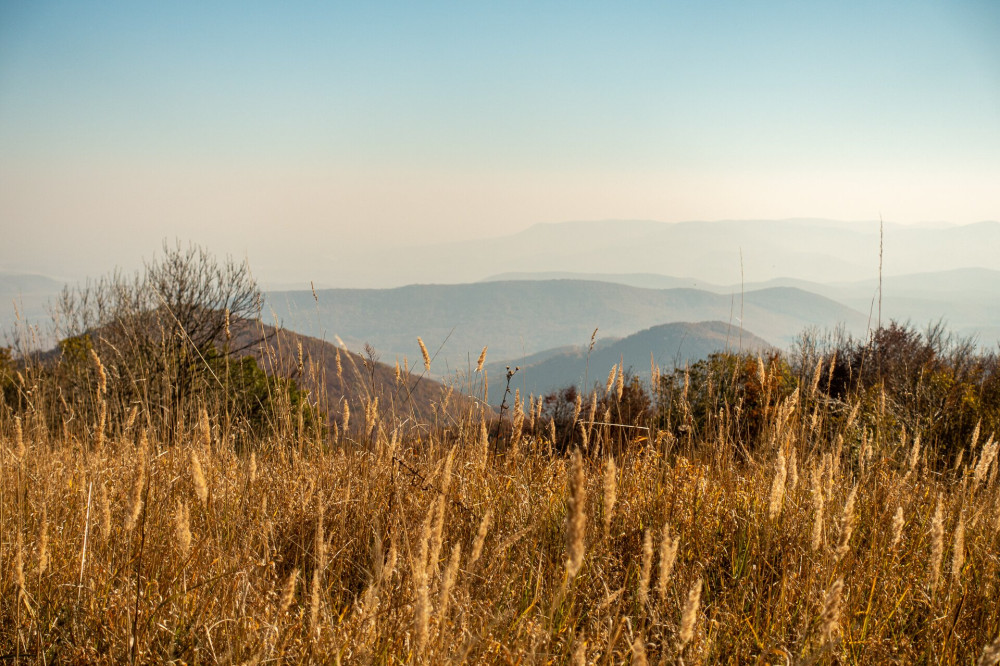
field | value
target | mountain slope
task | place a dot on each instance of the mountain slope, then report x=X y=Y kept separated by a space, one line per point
x=421 y=399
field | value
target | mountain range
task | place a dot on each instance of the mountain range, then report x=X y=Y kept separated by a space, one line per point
x=721 y=252
x=966 y=299
x=519 y=318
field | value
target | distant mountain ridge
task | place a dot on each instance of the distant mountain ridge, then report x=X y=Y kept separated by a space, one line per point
x=714 y=251
x=966 y=299
x=25 y=297
x=518 y=318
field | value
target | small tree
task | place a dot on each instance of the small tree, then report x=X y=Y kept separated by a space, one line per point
x=155 y=332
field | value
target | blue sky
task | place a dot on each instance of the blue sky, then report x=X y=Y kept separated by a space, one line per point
x=255 y=128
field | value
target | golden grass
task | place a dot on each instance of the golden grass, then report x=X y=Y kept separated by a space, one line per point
x=142 y=551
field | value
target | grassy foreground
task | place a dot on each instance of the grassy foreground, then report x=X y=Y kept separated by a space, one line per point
x=432 y=548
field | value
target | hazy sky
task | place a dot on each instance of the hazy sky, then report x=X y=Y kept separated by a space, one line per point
x=294 y=132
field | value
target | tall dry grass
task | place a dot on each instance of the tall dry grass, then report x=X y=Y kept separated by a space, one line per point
x=423 y=545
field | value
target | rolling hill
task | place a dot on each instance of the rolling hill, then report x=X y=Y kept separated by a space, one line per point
x=669 y=345
x=414 y=398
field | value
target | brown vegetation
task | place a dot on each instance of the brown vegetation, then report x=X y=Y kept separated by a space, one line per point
x=807 y=549
x=748 y=513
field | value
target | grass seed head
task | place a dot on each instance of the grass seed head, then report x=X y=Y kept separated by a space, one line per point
x=43 y=541
x=897 y=527
x=477 y=543
x=198 y=479
x=646 y=570
x=135 y=509
x=182 y=528
x=577 y=527
x=610 y=492
x=831 y=611
x=19 y=438
x=668 y=555
x=778 y=486
x=288 y=593
x=425 y=353
x=690 y=615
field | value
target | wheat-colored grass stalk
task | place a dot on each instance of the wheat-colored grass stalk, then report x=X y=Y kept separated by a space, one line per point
x=43 y=540
x=319 y=554
x=817 y=373
x=421 y=589
x=639 y=651
x=958 y=550
x=437 y=537
x=937 y=546
x=620 y=381
x=102 y=375
x=182 y=528
x=19 y=447
x=482 y=359
x=135 y=507
x=986 y=459
x=897 y=528
x=288 y=593
x=19 y=566
x=610 y=492
x=847 y=524
x=818 y=501
x=577 y=527
x=425 y=354
x=830 y=618
x=104 y=505
x=480 y=539
x=689 y=617
x=204 y=429
x=793 y=470
x=484 y=444
x=646 y=571
x=778 y=486
x=450 y=576
x=198 y=479
x=668 y=555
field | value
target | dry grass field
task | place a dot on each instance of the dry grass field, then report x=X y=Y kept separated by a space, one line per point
x=409 y=544
x=163 y=500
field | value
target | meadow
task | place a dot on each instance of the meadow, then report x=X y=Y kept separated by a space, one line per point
x=390 y=542
x=165 y=499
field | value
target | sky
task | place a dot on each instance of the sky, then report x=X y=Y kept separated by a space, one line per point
x=291 y=133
